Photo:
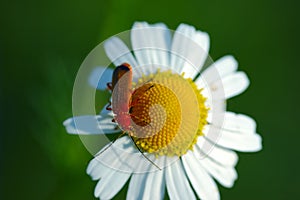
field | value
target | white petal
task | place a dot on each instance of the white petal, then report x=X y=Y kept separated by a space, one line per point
x=221 y=68
x=240 y=141
x=177 y=183
x=118 y=52
x=99 y=77
x=239 y=122
x=96 y=169
x=147 y=186
x=123 y=156
x=189 y=50
x=120 y=155
x=111 y=180
x=136 y=186
x=221 y=81
x=90 y=124
x=105 y=112
x=225 y=175
x=220 y=155
x=217 y=109
x=110 y=184
x=225 y=88
x=201 y=181
x=235 y=84
x=151 y=45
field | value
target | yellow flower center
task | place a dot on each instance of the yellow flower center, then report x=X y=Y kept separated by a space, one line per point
x=168 y=114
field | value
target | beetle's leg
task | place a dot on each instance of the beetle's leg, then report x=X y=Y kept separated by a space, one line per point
x=108 y=107
x=109 y=86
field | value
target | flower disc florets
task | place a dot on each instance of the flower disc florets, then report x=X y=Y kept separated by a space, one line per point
x=168 y=113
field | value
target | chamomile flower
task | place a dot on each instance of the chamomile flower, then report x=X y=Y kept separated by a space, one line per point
x=181 y=137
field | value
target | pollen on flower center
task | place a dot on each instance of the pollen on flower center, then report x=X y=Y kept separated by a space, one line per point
x=167 y=113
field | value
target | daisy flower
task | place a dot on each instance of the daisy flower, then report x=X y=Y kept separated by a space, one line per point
x=180 y=136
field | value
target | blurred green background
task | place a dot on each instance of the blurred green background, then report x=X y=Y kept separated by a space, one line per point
x=42 y=44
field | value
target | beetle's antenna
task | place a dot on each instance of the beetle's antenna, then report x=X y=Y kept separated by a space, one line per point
x=143 y=153
x=140 y=120
x=111 y=143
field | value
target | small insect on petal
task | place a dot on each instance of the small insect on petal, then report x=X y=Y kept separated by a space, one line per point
x=121 y=87
x=121 y=93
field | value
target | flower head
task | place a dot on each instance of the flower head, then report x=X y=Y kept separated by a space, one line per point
x=173 y=113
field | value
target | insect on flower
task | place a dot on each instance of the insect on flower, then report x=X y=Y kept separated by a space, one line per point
x=121 y=88
x=122 y=102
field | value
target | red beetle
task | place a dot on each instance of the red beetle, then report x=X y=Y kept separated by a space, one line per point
x=121 y=94
x=121 y=87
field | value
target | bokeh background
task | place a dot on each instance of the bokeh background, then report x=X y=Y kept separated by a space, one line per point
x=42 y=44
